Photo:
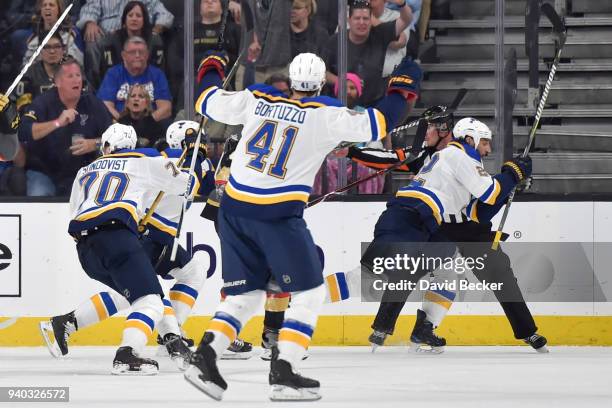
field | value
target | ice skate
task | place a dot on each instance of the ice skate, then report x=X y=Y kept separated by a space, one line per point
x=238 y=350
x=377 y=339
x=56 y=331
x=126 y=362
x=177 y=350
x=538 y=342
x=423 y=339
x=203 y=372
x=287 y=385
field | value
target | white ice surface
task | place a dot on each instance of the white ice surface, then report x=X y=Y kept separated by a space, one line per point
x=350 y=377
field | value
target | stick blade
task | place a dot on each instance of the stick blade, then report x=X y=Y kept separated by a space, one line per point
x=557 y=22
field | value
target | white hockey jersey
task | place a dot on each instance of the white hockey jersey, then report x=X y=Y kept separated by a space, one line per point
x=164 y=222
x=448 y=181
x=116 y=187
x=283 y=144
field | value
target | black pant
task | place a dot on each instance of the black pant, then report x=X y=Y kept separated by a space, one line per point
x=474 y=240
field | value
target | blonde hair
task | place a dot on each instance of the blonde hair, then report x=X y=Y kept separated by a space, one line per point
x=147 y=96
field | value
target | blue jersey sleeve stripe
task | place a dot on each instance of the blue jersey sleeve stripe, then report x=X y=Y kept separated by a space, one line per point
x=264 y=191
x=373 y=124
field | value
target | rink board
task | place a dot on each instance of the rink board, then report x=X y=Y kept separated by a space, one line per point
x=40 y=276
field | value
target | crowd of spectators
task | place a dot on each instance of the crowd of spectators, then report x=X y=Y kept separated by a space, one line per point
x=120 y=60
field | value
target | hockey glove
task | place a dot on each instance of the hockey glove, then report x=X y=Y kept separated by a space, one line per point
x=228 y=150
x=524 y=185
x=161 y=145
x=213 y=60
x=189 y=143
x=406 y=79
x=520 y=167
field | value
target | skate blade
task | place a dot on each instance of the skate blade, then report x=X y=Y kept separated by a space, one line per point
x=46 y=331
x=284 y=393
x=230 y=355
x=425 y=348
x=192 y=375
x=374 y=346
x=124 y=369
x=542 y=350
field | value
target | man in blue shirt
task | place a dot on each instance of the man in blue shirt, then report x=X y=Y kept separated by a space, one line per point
x=59 y=132
x=136 y=70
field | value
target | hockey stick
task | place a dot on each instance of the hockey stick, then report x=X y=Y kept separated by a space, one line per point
x=361 y=180
x=561 y=33
x=416 y=145
x=27 y=66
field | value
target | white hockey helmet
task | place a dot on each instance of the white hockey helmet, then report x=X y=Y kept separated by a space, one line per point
x=473 y=128
x=307 y=72
x=119 y=136
x=176 y=132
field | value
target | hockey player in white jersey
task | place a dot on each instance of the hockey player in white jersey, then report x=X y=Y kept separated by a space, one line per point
x=471 y=229
x=262 y=231
x=106 y=204
x=188 y=271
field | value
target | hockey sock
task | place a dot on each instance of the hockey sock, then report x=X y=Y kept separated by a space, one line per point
x=189 y=280
x=299 y=324
x=99 y=307
x=231 y=315
x=146 y=312
x=168 y=322
x=436 y=304
x=276 y=304
x=337 y=288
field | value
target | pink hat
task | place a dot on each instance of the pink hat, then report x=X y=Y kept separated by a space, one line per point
x=354 y=78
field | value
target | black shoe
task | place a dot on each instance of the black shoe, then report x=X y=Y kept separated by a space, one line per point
x=423 y=338
x=203 y=372
x=126 y=362
x=287 y=385
x=377 y=339
x=538 y=342
x=56 y=331
x=238 y=350
x=177 y=350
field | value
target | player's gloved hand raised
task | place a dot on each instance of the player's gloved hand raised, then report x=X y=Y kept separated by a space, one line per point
x=213 y=60
x=406 y=79
x=189 y=143
x=228 y=150
x=520 y=167
x=4 y=102
x=524 y=185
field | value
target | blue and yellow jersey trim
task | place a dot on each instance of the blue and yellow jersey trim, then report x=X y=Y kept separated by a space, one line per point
x=467 y=149
x=123 y=211
x=472 y=210
x=378 y=124
x=300 y=104
x=426 y=196
x=203 y=99
x=491 y=194
x=264 y=196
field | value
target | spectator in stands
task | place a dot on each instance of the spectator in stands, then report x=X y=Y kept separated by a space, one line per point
x=47 y=14
x=136 y=70
x=39 y=77
x=367 y=46
x=327 y=178
x=18 y=19
x=207 y=30
x=269 y=46
x=137 y=113
x=60 y=133
x=135 y=21
x=101 y=17
x=306 y=34
x=327 y=15
x=411 y=35
x=280 y=82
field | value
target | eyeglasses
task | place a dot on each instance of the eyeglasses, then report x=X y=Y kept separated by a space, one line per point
x=50 y=47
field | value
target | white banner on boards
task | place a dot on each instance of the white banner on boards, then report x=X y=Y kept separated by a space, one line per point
x=10 y=255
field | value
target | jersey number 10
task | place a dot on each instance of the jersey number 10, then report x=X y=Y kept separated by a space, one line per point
x=260 y=147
